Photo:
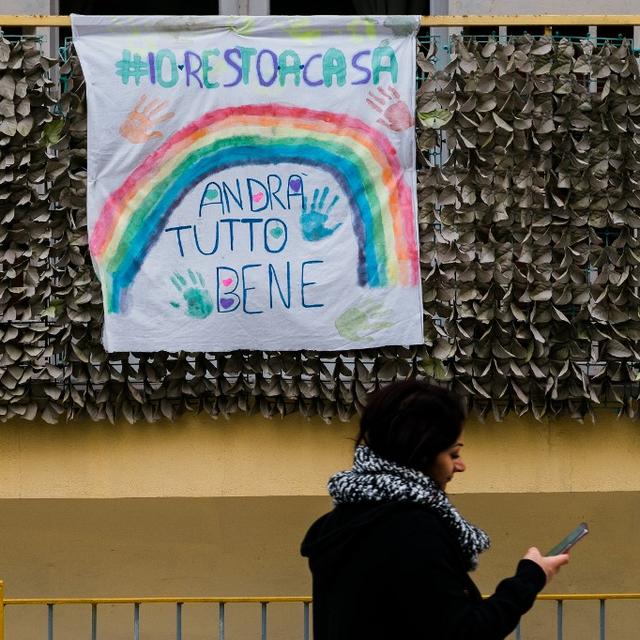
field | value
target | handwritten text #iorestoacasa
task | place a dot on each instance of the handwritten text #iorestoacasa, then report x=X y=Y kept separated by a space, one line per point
x=215 y=69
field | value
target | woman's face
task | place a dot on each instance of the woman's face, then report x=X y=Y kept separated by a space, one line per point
x=447 y=463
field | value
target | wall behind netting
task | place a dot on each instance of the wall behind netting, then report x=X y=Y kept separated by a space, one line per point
x=529 y=171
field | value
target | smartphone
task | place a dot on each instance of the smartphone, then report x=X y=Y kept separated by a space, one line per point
x=566 y=543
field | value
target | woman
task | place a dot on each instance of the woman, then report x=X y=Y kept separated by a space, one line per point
x=392 y=559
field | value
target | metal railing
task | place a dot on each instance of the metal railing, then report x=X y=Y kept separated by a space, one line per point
x=265 y=601
x=136 y=603
x=561 y=598
x=547 y=21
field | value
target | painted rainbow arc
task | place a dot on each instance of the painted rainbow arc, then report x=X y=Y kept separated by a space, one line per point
x=360 y=158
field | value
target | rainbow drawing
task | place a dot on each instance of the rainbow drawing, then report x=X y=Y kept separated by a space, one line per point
x=360 y=158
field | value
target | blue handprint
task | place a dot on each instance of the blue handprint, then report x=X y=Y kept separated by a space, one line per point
x=313 y=220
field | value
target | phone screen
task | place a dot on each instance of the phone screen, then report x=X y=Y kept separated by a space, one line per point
x=566 y=543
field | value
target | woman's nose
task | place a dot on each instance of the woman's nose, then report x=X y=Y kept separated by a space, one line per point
x=459 y=465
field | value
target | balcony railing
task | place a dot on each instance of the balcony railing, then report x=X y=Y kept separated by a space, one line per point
x=137 y=603
x=264 y=602
x=545 y=20
x=561 y=598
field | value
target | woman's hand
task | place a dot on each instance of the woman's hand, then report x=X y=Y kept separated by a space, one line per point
x=549 y=564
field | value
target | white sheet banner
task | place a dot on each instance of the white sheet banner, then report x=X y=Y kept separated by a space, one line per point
x=251 y=181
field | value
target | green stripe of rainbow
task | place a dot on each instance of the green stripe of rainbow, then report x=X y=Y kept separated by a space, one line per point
x=360 y=158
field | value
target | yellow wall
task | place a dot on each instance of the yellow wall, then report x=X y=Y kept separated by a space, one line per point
x=206 y=507
x=250 y=546
x=201 y=457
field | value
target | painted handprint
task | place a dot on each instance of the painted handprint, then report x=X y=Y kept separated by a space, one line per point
x=395 y=113
x=138 y=127
x=313 y=221
x=359 y=324
x=194 y=293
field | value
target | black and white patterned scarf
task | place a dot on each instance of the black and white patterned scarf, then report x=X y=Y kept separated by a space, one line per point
x=374 y=479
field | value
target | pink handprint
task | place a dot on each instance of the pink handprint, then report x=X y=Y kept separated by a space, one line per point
x=136 y=128
x=395 y=113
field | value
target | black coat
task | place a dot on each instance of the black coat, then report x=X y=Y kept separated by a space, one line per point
x=394 y=571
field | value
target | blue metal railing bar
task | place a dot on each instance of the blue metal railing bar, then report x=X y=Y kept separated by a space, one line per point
x=136 y=621
x=306 y=621
x=221 y=621
x=263 y=632
x=179 y=621
x=94 y=621
x=559 y=620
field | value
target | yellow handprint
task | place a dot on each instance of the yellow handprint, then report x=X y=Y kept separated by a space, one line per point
x=136 y=128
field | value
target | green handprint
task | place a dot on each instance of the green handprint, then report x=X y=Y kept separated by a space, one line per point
x=194 y=293
x=359 y=324
x=313 y=221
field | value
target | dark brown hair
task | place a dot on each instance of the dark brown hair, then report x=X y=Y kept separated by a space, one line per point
x=411 y=422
